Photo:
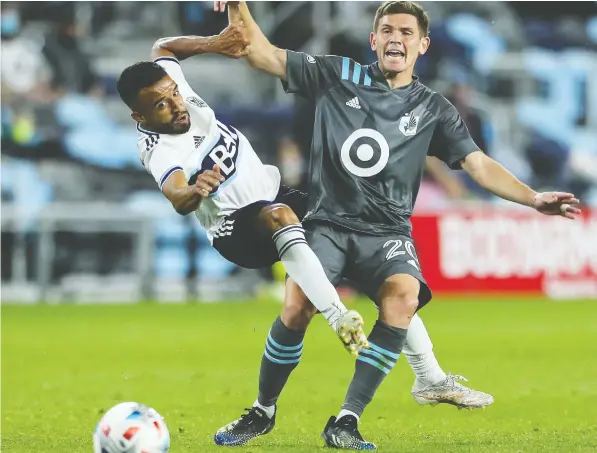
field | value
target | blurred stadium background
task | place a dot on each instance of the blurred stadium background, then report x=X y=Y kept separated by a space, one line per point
x=83 y=221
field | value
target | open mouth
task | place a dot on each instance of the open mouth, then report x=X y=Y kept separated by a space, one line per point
x=182 y=119
x=395 y=54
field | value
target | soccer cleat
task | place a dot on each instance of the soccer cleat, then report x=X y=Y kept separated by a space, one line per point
x=250 y=425
x=451 y=392
x=349 y=328
x=344 y=434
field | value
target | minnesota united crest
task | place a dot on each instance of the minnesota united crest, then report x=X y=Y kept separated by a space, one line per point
x=408 y=124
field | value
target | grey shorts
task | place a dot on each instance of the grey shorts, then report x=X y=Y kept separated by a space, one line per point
x=364 y=259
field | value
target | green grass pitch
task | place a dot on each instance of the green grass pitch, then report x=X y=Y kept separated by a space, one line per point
x=197 y=365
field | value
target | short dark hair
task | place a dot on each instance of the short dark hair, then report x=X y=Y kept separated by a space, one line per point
x=136 y=77
x=412 y=8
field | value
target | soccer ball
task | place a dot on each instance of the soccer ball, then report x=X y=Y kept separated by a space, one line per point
x=131 y=428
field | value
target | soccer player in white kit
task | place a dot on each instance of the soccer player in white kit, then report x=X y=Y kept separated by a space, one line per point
x=207 y=167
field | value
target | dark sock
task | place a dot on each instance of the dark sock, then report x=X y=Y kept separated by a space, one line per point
x=283 y=349
x=373 y=365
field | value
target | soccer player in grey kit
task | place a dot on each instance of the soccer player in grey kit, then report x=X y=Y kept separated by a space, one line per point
x=374 y=128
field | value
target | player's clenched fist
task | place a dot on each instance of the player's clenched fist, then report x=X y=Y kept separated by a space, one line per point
x=209 y=181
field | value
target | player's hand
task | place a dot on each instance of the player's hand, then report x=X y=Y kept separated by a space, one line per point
x=557 y=203
x=208 y=181
x=220 y=7
x=233 y=41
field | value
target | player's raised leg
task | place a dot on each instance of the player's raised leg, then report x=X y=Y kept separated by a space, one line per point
x=283 y=350
x=398 y=302
x=303 y=266
x=432 y=386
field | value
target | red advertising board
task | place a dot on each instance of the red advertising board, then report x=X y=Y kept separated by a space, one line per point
x=489 y=249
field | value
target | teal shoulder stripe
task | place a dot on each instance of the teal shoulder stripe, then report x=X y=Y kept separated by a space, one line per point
x=356 y=75
x=345 y=68
x=367 y=79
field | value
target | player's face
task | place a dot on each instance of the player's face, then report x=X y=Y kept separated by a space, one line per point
x=161 y=108
x=398 y=43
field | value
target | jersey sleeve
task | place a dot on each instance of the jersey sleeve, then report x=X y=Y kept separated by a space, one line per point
x=451 y=141
x=159 y=159
x=309 y=76
x=172 y=66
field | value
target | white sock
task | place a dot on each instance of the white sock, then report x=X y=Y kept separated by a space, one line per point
x=344 y=412
x=269 y=410
x=418 y=350
x=306 y=270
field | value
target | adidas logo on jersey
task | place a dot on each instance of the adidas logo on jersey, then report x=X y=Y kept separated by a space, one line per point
x=225 y=229
x=151 y=141
x=354 y=103
x=198 y=141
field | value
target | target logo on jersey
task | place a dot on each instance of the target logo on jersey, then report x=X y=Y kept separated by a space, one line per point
x=223 y=154
x=365 y=153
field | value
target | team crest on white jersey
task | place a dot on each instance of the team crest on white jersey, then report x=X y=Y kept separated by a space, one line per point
x=196 y=102
x=408 y=124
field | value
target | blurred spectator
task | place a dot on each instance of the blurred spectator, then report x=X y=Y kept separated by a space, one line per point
x=291 y=163
x=72 y=69
x=461 y=95
x=199 y=18
x=28 y=126
x=549 y=162
x=25 y=73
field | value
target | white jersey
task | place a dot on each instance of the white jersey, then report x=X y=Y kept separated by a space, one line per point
x=206 y=143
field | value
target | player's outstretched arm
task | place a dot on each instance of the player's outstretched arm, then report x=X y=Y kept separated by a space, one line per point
x=499 y=181
x=232 y=42
x=185 y=198
x=262 y=54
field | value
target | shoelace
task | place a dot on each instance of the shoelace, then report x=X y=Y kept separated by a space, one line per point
x=451 y=381
x=246 y=418
x=351 y=426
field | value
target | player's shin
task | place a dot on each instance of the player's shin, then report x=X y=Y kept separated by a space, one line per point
x=418 y=350
x=283 y=350
x=372 y=366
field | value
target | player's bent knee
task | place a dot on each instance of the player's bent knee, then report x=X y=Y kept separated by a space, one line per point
x=400 y=287
x=278 y=216
x=404 y=304
x=297 y=318
x=399 y=299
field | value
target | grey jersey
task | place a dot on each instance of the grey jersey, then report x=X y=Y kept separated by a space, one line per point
x=370 y=142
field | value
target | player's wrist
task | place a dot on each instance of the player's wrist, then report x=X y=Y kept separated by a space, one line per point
x=534 y=197
x=213 y=44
